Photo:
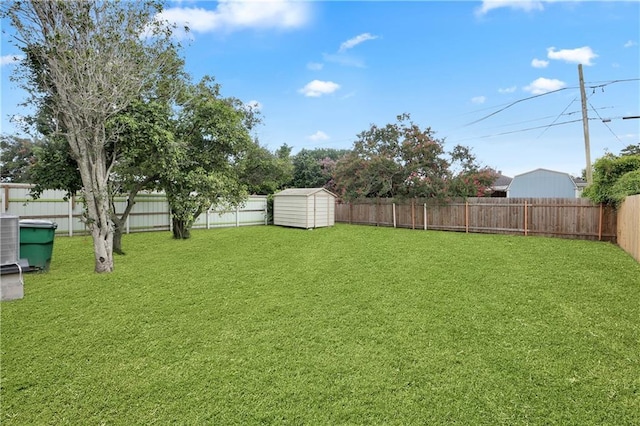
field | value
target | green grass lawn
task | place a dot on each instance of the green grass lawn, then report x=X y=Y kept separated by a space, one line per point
x=344 y=325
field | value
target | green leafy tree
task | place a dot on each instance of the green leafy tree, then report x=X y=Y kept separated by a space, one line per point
x=87 y=61
x=313 y=168
x=147 y=149
x=16 y=157
x=284 y=152
x=402 y=160
x=628 y=184
x=396 y=160
x=213 y=139
x=264 y=172
x=614 y=178
x=55 y=168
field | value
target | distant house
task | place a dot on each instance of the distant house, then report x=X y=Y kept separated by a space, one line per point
x=500 y=185
x=543 y=183
x=304 y=208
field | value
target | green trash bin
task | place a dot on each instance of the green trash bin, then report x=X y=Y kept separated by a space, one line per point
x=36 y=243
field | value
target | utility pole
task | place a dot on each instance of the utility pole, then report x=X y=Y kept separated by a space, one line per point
x=585 y=126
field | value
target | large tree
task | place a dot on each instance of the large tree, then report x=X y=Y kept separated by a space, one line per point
x=213 y=138
x=146 y=150
x=88 y=61
x=402 y=160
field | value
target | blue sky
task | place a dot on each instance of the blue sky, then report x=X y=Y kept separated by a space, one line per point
x=322 y=72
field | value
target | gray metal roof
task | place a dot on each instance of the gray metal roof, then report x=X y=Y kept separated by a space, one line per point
x=302 y=192
x=573 y=180
x=502 y=181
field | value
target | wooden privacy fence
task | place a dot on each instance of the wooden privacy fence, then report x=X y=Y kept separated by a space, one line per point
x=629 y=226
x=558 y=217
x=150 y=212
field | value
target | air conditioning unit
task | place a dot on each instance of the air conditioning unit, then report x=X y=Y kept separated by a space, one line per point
x=9 y=239
x=11 y=284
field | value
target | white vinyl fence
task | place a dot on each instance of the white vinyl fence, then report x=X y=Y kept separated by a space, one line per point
x=150 y=212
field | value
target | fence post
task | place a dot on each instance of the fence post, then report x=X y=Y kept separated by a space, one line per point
x=70 y=212
x=237 y=216
x=466 y=217
x=128 y=227
x=413 y=213
x=5 y=201
x=525 y=218
x=425 y=216
x=207 y=217
x=394 y=214
x=266 y=213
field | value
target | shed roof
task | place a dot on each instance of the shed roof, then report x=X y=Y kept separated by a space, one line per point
x=307 y=192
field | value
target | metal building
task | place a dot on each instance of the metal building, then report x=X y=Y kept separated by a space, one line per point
x=543 y=183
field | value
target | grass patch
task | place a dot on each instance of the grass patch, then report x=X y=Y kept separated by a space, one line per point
x=344 y=325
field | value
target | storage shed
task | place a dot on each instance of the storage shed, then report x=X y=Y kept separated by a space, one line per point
x=304 y=208
x=543 y=183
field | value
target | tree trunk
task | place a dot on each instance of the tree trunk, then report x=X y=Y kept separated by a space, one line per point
x=93 y=170
x=181 y=229
x=101 y=228
x=117 y=237
x=119 y=222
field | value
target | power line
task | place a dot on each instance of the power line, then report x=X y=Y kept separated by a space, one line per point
x=534 y=120
x=607 y=83
x=521 y=130
x=592 y=85
x=605 y=123
x=517 y=102
x=556 y=119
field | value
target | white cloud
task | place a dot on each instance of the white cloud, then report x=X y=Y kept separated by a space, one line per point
x=356 y=41
x=631 y=43
x=581 y=55
x=508 y=89
x=10 y=59
x=526 y=5
x=479 y=99
x=342 y=57
x=315 y=66
x=318 y=136
x=233 y=15
x=317 y=88
x=544 y=85
x=539 y=63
